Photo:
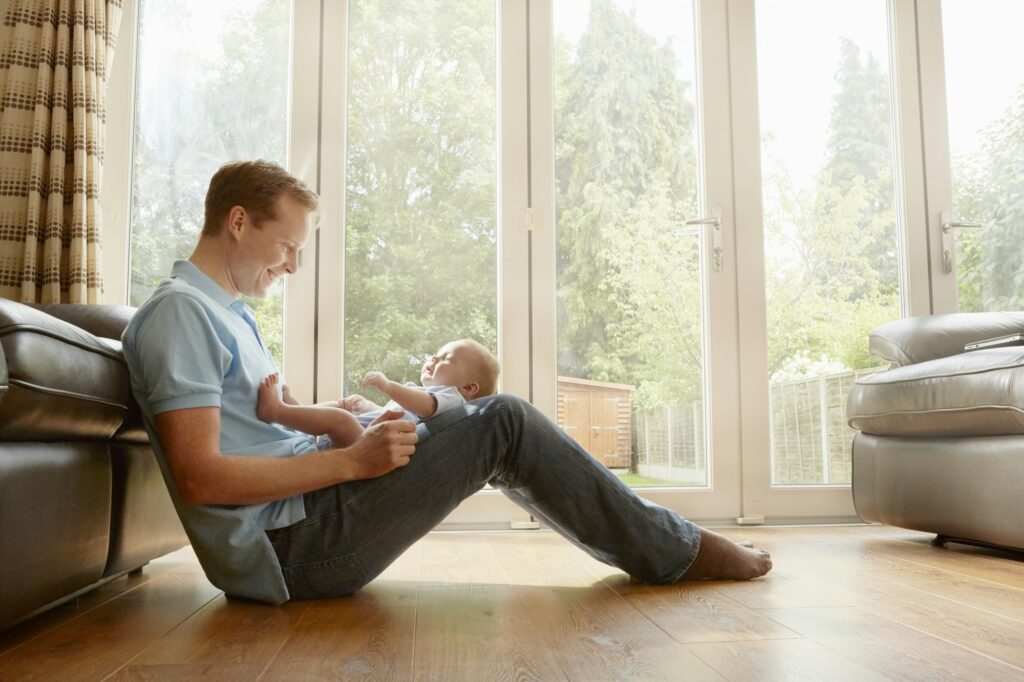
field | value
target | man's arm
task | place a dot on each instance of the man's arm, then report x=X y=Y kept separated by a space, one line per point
x=416 y=400
x=204 y=475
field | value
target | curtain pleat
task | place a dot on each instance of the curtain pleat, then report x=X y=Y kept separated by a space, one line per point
x=56 y=57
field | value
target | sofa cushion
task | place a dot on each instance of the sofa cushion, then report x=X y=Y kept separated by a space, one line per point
x=980 y=393
x=62 y=382
x=54 y=523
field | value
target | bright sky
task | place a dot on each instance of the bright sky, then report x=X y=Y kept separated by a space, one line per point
x=984 y=63
x=798 y=52
x=798 y=49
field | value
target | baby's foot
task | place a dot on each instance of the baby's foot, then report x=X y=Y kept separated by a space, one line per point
x=286 y=394
x=269 y=401
x=720 y=558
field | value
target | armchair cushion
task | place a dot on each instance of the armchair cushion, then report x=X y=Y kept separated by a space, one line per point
x=979 y=393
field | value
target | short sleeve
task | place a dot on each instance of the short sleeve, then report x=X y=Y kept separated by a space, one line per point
x=447 y=397
x=181 y=358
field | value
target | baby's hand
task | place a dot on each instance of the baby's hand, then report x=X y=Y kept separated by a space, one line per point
x=376 y=379
x=355 y=403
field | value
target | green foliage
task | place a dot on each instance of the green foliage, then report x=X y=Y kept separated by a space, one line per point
x=421 y=226
x=228 y=105
x=832 y=266
x=420 y=256
x=629 y=295
x=989 y=187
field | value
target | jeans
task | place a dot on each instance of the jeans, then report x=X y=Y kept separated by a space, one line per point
x=354 y=530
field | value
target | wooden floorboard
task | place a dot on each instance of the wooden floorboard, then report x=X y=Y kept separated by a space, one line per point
x=843 y=603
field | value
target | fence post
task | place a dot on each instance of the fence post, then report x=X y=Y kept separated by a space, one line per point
x=700 y=459
x=826 y=475
x=647 y=441
x=668 y=432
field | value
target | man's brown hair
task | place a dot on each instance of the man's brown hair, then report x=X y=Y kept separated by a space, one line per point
x=487 y=366
x=256 y=187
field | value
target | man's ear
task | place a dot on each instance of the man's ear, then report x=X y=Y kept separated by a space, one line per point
x=236 y=220
x=470 y=390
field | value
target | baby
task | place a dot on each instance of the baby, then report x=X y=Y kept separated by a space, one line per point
x=462 y=370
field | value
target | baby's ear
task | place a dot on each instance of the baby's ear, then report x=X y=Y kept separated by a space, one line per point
x=470 y=390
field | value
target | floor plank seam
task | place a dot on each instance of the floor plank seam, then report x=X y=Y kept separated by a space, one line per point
x=284 y=642
x=74 y=617
x=923 y=564
x=970 y=605
x=947 y=641
x=156 y=639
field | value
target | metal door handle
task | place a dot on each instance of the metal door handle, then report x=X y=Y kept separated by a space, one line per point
x=948 y=225
x=715 y=221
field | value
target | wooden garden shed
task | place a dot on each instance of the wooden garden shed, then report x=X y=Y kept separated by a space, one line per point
x=598 y=415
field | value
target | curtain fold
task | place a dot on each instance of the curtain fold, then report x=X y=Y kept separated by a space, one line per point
x=55 y=57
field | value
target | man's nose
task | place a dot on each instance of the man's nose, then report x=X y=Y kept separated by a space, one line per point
x=291 y=265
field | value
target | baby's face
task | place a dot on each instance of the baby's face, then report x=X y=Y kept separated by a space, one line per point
x=453 y=365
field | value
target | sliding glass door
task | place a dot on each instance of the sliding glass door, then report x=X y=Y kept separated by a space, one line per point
x=504 y=173
x=974 y=146
x=674 y=222
x=635 y=350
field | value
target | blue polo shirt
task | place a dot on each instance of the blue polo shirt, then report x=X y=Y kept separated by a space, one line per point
x=194 y=345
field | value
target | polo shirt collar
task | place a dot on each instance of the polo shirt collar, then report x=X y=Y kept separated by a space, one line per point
x=200 y=280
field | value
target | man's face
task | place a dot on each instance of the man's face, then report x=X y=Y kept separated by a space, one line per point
x=270 y=250
x=450 y=366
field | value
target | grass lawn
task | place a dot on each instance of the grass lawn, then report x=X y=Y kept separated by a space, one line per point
x=638 y=481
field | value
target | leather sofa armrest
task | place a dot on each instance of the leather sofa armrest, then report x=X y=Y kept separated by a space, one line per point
x=63 y=383
x=3 y=373
x=105 y=321
x=927 y=337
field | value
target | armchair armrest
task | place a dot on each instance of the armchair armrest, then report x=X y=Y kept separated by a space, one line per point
x=926 y=337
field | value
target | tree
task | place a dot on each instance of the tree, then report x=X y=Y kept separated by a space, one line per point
x=989 y=187
x=229 y=103
x=629 y=293
x=421 y=209
x=832 y=265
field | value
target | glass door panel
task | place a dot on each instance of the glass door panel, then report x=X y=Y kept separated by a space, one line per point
x=831 y=242
x=630 y=286
x=421 y=184
x=212 y=86
x=984 y=69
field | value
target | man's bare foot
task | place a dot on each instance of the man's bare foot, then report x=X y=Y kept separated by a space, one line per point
x=269 y=401
x=720 y=558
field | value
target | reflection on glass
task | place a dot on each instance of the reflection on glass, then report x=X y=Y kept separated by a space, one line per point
x=832 y=263
x=212 y=87
x=421 y=173
x=629 y=281
x=986 y=138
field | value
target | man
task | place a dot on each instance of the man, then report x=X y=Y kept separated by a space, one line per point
x=271 y=516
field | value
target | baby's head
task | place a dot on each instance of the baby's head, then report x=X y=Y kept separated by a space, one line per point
x=464 y=364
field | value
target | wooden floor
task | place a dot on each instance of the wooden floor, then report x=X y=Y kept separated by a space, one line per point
x=843 y=603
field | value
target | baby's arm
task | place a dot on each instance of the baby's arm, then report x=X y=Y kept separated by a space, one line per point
x=415 y=400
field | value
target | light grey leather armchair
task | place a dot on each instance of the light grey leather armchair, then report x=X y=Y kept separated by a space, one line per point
x=941 y=442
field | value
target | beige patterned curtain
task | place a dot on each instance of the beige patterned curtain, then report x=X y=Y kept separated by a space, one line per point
x=55 y=56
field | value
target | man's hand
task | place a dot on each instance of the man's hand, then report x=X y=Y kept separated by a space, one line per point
x=378 y=380
x=388 y=443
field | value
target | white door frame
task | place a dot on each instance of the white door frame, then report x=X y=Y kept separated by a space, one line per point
x=761 y=499
x=719 y=501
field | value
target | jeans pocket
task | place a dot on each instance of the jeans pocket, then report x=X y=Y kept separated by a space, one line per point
x=335 y=577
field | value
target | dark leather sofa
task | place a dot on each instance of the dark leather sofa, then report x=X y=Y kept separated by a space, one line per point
x=82 y=500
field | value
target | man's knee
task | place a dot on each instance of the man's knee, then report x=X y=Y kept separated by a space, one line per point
x=506 y=401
